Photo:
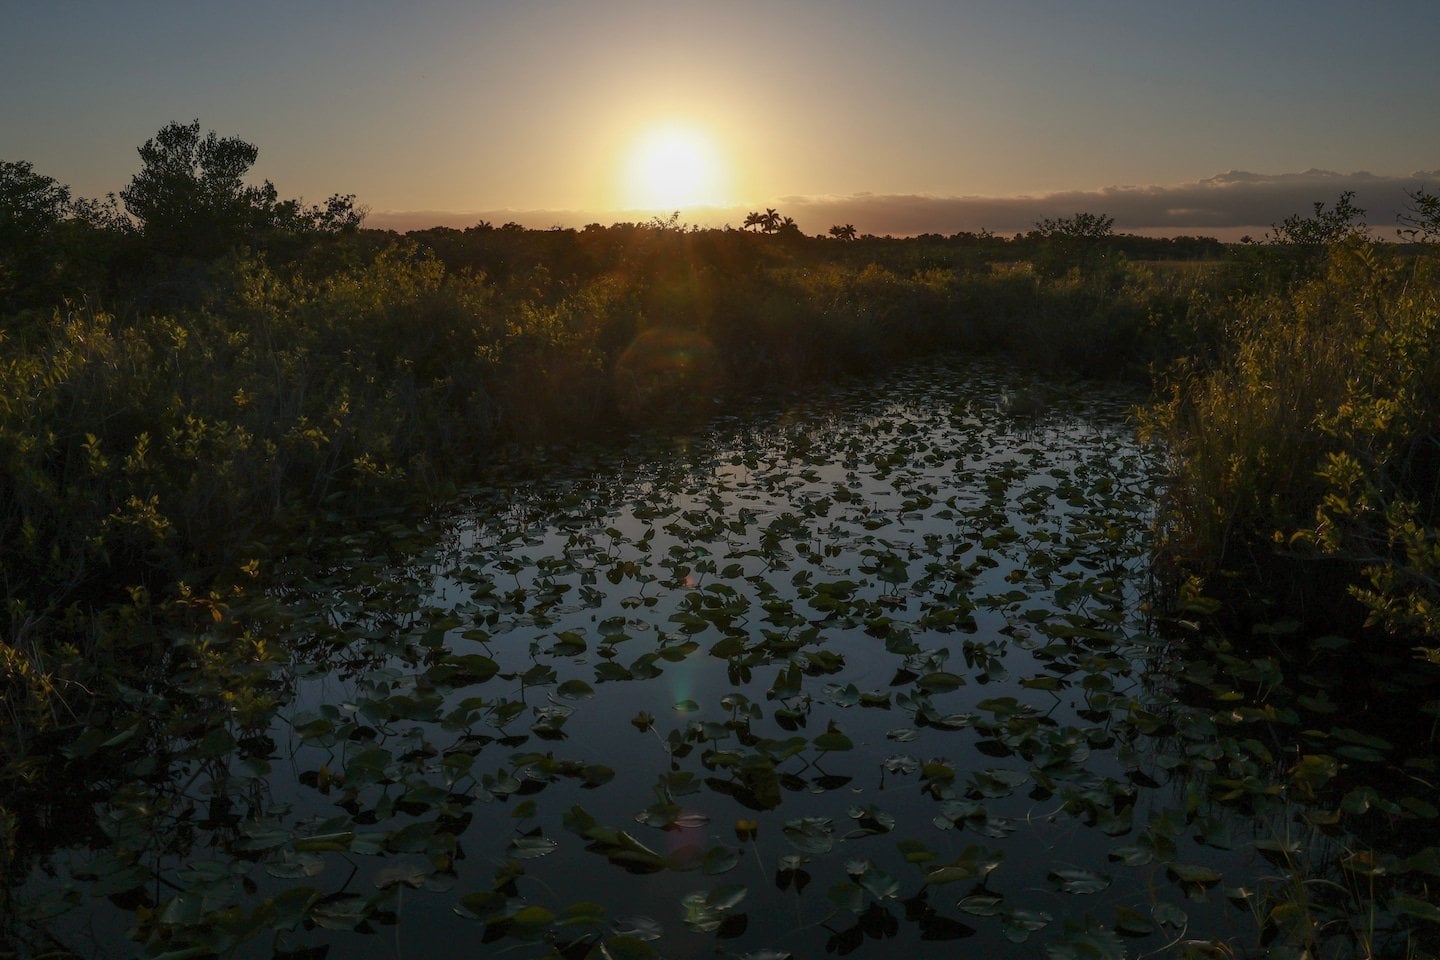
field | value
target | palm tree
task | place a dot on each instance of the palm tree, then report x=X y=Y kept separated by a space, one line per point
x=753 y=219
x=771 y=221
x=846 y=232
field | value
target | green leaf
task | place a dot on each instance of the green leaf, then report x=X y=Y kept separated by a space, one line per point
x=720 y=860
x=939 y=682
x=1192 y=873
x=810 y=834
x=1132 y=923
x=575 y=690
x=982 y=905
x=531 y=848
x=1077 y=880
x=1169 y=915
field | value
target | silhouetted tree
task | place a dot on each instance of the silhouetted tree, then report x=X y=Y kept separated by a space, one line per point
x=1421 y=220
x=30 y=203
x=47 y=237
x=192 y=200
x=1079 y=242
x=846 y=232
x=190 y=195
x=1081 y=226
x=1342 y=221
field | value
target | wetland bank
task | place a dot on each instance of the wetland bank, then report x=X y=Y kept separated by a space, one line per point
x=326 y=635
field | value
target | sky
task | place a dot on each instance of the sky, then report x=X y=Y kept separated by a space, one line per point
x=903 y=116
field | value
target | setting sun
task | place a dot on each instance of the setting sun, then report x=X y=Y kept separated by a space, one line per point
x=673 y=167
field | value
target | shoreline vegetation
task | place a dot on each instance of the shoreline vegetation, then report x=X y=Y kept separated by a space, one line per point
x=219 y=378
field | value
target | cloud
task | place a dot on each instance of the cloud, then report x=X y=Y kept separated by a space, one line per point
x=1226 y=205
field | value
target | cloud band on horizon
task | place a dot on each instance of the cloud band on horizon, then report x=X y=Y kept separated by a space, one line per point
x=1225 y=205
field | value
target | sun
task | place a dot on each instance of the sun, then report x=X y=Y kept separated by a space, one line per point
x=673 y=167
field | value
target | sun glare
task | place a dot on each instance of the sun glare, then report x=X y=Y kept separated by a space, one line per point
x=673 y=168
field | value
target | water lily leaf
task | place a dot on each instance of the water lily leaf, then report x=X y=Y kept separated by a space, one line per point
x=810 y=834
x=833 y=741
x=595 y=775
x=1132 y=923
x=939 y=682
x=1192 y=873
x=901 y=764
x=288 y=907
x=1426 y=860
x=99 y=738
x=1279 y=852
x=338 y=841
x=1169 y=915
x=340 y=913
x=531 y=848
x=1019 y=924
x=871 y=820
x=998 y=783
x=184 y=910
x=294 y=867
x=705 y=910
x=258 y=837
x=973 y=862
x=720 y=860
x=575 y=690
x=686 y=858
x=1078 y=880
x=412 y=838
x=404 y=874
x=584 y=913
x=1091 y=942
x=638 y=928
x=456 y=669
x=879 y=884
x=610 y=671
x=529 y=922
x=1421 y=809
x=982 y=905
x=1000 y=706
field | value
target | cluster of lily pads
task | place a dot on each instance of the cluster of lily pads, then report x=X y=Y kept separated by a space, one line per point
x=873 y=673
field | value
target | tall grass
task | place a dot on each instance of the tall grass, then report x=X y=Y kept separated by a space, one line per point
x=1305 y=461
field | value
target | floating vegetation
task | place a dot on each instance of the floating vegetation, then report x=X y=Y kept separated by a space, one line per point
x=874 y=673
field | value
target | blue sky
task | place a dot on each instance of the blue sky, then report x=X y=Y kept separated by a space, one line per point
x=453 y=108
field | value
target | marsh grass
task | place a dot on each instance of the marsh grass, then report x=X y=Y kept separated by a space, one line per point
x=1304 y=461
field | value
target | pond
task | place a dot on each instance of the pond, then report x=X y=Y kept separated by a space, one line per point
x=872 y=674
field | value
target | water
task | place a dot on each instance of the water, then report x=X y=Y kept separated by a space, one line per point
x=871 y=674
